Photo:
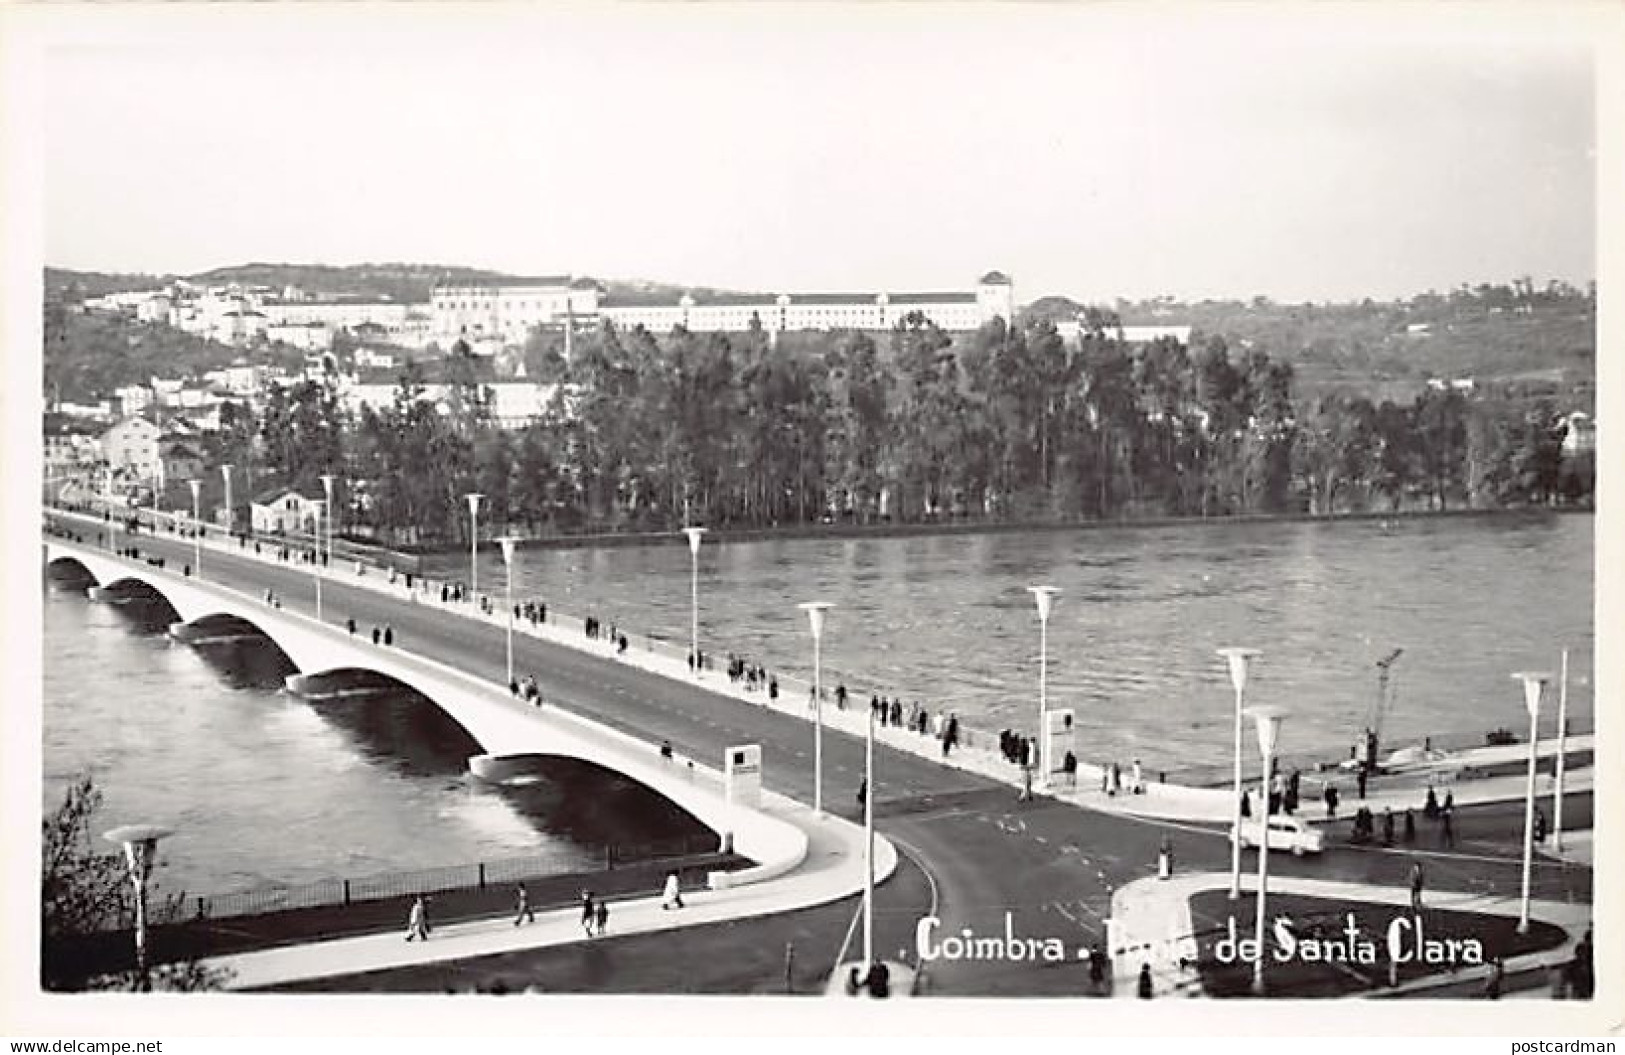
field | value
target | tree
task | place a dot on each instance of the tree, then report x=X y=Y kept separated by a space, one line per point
x=84 y=894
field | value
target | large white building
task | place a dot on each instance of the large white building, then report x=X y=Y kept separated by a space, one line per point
x=509 y=312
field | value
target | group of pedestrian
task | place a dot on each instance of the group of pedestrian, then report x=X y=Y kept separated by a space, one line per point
x=1444 y=814
x=1017 y=749
x=594 y=915
x=532 y=612
x=385 y=636
x=888 y=711
x=1111 y=781
x=753 y=676
x=698 y=661
x=526 y=689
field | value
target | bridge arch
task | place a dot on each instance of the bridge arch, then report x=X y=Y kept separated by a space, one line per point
x=501 y=726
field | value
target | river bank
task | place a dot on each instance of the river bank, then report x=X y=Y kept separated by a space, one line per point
x=847 y=530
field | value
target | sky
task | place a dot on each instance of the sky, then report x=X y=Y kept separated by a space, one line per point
x=1096 y=151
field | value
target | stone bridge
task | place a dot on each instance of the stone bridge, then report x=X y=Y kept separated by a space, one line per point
x=509 y=731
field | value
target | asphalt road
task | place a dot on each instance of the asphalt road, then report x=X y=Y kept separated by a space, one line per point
x=1051 y=866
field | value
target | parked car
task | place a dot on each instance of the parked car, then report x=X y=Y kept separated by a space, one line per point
x=1286 y=833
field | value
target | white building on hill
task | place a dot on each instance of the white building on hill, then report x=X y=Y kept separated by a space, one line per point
x=510 y=312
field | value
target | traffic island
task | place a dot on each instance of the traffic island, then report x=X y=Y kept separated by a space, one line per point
x=1339 y=947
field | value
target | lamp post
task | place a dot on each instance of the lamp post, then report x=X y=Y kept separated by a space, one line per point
x=327 y=492
x=869 y=845
x=112 y=519
x=231 y=512
x=815 y=617
x=1267 y=723
x=197 y=528
x=315 y=563
x=694 y=534
x=473 y=545
x=1045 y=597
x=507 y=542
x=1237 y=660
x=1562 y=750
x=1532 y=685
x=140 y=842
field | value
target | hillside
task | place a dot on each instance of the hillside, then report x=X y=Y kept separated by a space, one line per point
x=87 y=356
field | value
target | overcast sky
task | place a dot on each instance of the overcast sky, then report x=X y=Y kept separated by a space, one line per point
x=1086 y=151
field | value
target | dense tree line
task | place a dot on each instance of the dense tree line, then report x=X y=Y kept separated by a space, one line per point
x=914 y=425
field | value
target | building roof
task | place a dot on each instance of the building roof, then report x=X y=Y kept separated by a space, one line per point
x=510 y=282
x=586 y=283
x=272 y=495
x=932 y=298
x=995 y=278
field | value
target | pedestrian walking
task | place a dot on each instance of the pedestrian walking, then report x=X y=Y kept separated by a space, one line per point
x=672 y=896
x=1447 y=828
x=1330 y=795
x=1139 y=781
x=1540 y=825
x=1246 y=805
x=1449 y=802
x=375 y=635
x=1492 y=985
x=1430 y=808
x=1416 y=886
x=589 y=913
x=601 y=917
x=417 y=920
x=1410 y=828
x=1117 y=778
x=1360 y=779
x=349 y=624
x=1097 y=968
x=389 y=636
x=1387 y=826
x=523 y=912
x=1145 y=981
x=863 y=793
x=1165 y=859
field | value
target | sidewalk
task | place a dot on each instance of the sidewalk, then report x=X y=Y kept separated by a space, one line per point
x=1152 y=924
x=833 y=870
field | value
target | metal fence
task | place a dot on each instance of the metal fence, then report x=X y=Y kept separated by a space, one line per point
x=475 y=876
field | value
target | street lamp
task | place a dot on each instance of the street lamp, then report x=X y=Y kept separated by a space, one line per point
x=869 y=846
x=1532 y=685
x=1045 y=596
x=140 y=842
x=1237 y=659
x=197 y=529
x=327 y=488
x=112 y=518
x=815 y=617
x=507 y=563
x=694 y=534
x=231 y=513
x=1562 y=750
x=1267 y=723
x=473 y=545
x=315 y=563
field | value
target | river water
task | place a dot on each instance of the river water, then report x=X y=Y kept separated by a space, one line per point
x=948 y=620
x=299 y=791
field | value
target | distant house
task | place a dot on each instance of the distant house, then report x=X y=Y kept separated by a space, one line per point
x=181 y=459
x=69 y=445
x=284 y=511
x=131 y=446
